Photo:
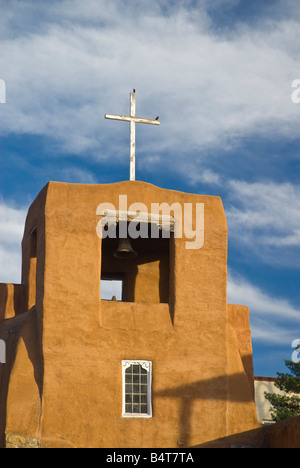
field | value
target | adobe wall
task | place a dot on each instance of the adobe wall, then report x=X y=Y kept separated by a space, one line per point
x=239 y=319
x=21 y=323
x=264 y=407
x=12 y=298
x=285 y=434
x=33 y=253
x=197 y=366
x=21 y=376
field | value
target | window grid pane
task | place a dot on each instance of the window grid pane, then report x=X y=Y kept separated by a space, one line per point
x=136 y=391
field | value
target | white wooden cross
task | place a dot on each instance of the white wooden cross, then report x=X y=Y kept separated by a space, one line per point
x=133 y=120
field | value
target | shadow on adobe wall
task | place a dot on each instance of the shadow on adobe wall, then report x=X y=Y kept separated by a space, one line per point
x=248 y=439
x=12 y=298
x=285 y=434
x=25 y=327
x=233 y=388
x=3 y=300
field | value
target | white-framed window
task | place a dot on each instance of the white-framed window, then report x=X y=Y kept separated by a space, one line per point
x=136 y=378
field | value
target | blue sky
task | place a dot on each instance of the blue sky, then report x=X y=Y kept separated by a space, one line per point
x=219 y=75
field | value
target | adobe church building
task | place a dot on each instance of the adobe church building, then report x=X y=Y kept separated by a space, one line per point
x=168 y=363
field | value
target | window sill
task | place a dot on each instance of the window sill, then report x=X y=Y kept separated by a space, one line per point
x=147 y=416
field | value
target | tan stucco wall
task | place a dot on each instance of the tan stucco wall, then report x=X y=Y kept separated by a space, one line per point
x=201 y=390
x=21 y=376
x=11 y=300
x=239 y=319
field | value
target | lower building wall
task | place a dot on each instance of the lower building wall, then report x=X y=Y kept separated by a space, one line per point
x=74 y=421
x=285 y=434
x=82 y=393
x=263 y=406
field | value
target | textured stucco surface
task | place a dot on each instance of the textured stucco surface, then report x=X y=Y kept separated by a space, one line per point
x=64 y=388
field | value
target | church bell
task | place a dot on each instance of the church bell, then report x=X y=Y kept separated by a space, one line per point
x=125 y=250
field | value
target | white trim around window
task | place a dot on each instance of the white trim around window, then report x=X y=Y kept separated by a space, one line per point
x=136 y=386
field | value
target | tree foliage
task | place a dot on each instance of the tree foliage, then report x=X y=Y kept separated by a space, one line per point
x=286 y=405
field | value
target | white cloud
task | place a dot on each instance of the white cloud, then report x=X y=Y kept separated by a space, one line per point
x=265 y=217
x=78 y=176
x=265 y=331
x=273 y=320
x=260 y=303
x=205 y=176
x=66 y=63
x=84 y=58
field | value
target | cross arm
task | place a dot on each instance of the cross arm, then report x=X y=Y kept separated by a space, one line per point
x=132 y=119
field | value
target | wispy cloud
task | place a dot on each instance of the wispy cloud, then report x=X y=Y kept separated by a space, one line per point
x=209 y=90
x=266 y=218
x=273 y=320
x=268 y=333
x=240 y=290
x=77 y=175
x=67 y=62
